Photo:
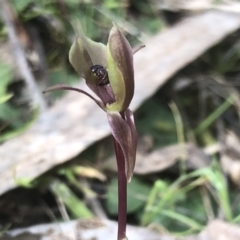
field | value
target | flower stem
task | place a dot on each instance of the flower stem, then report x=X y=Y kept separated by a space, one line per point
x=122 y=192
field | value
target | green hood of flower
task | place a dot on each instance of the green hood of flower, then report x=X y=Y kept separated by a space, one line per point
x=116 y=57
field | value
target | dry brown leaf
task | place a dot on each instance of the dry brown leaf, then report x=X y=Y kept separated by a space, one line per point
x=75 y=122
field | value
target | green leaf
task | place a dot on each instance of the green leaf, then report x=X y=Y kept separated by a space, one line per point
x=5 y=76
x=5 y=98
x=24 y=182
x=20 y=129
x=137 y=194
x=157 y=121
x=73 y=203
x=183 y=219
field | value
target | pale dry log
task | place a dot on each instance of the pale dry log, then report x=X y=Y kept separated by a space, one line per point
x=197 y=5
x=105 y=230
x=74 y=122
x=83 y=229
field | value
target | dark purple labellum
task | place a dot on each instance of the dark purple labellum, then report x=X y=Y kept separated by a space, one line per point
x=101 y=73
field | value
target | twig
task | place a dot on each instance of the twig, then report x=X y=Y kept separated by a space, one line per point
x=47 y=210
x=62 y=208
x=20 y=56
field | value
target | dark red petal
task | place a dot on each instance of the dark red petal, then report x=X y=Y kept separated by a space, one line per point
x=138 y=48
x=129 y=118
x=125 y=134
x=120 y=69
x=66 y=87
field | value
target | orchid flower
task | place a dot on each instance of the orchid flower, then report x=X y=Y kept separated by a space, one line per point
x=108 y=71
